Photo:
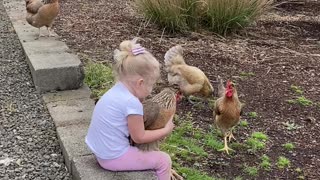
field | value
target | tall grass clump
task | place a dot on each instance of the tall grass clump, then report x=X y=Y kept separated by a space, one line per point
x=220 y=16
x=173 y=15
x=223 y=16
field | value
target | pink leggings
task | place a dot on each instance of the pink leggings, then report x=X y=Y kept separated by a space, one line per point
x=134 y=159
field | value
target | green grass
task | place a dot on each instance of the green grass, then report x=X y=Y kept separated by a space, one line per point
x=289 y=146
x=238 y=178
x=99 y=78
x=253 y=114
x=259 y=136
x=283 y=162
x=212 y=141
x=256 y=142
x=301 y=100
x=193 y=174
x=186 y=144
x=251 y=170
x=265 y=164
x=296 y=89
x=219 y=16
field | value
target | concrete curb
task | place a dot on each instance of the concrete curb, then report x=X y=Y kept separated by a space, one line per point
x=53 y=68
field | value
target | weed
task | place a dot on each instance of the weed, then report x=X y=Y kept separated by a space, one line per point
x=265 y=164
x=212 y=142
x=245 y=74
x=256 y=141
x=99 y=78
x=283 y=162
x=251 y=170
x=190 y=173
x=298 y=170
x=301 y=100
x=296 y=89
x=288 y=146
x=304 y=101
x=300 y=177
x=181 y=143
x=291 y=126
x=244 y=123
x=259 y=135
x=253 y=114
x=238 y=178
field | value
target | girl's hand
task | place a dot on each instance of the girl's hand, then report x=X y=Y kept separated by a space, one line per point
x=169 y=126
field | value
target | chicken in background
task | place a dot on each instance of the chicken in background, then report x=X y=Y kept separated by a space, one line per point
x=227 y=111
x=40 y=14
x=157 y=112
x=191 y=80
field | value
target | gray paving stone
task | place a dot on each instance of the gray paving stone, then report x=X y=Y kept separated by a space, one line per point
x=87 y=168
x=82 y=92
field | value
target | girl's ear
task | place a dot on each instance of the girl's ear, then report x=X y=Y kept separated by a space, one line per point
x=140 y=81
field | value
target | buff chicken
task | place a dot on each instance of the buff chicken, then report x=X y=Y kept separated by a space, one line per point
x=41 y=14
x=190 y=79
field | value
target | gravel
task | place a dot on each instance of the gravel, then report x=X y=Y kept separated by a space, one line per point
x=29 y=147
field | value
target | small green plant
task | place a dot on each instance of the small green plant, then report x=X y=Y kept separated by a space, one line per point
x=238 y=178
x=259 y=136
x=256 y=141
x=182 y=142
x=288 y=146
x=296 y=89
x=99 y=78
x=303 y=101
x=283 y=162
x=245 y=74
x=251 y=170
x=253 y=114
x=244 y=123
x=291 y=126
x=265 y=164
x=298 y=170
x=191 y=173
x=212 y=141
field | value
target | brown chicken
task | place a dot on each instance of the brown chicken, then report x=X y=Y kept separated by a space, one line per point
x=191 y=80
x=157 y=112
x=227 y=111
x=40 y=14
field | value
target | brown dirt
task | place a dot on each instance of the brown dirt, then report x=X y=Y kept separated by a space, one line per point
x=279 y=52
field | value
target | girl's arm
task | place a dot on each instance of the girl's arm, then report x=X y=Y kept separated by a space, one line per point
x=140 y=135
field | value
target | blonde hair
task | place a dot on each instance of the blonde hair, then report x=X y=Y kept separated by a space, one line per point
x=128 y=65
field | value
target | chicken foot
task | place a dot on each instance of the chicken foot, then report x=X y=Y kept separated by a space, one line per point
x=226 y=148
x=40 y=35
x=230 y=136
x=175 y=175
x=50 y=34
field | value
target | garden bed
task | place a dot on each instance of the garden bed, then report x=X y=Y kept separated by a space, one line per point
x=275 y=64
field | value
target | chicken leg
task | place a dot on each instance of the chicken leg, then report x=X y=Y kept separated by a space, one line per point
x=226 y=148
x=175 y=175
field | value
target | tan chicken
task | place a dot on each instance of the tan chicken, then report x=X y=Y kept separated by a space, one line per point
x=191 y=80
x=227 y=111
x=157 y=112
x=40 y=14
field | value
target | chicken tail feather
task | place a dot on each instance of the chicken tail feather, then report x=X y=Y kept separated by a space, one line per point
x=174 y=56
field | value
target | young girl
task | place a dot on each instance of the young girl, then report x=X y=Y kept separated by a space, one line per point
x=119 y=113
